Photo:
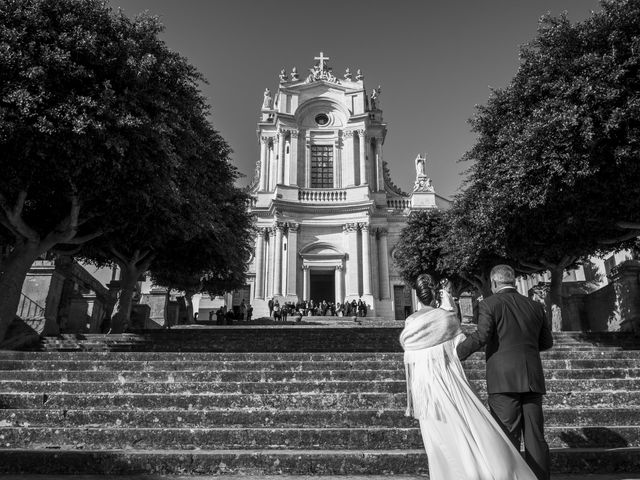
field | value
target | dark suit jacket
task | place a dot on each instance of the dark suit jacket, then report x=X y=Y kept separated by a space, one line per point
x=515 y=331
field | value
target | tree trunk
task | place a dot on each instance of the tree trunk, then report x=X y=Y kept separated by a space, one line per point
x=554 y=309
x=167 y=318
x=188 y=300
x=122 y=311
x=14 y=270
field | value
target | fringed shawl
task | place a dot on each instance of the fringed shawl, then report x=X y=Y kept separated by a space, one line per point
x=425 y=329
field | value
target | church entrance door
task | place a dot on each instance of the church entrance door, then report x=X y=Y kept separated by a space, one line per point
x=322 y=285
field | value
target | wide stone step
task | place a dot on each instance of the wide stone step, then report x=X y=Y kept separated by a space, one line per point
x=131 y=376
x=264 y=387
x=259 y=462
x=289 y=418
x=303 y=438
x=215 y=366
x=314 y=401
x=49 y=357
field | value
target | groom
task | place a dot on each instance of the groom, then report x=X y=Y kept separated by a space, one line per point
x=514 y=330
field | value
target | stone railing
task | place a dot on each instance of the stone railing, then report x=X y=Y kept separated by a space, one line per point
x=313 y=195
x=27 y=308
x=399 y=203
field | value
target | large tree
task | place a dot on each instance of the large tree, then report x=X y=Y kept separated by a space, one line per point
x=90 y=105
x=556 y=162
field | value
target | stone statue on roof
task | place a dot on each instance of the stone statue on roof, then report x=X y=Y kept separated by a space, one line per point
x=266 y=103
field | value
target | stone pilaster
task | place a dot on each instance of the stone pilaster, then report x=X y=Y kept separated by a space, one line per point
x=363 y=157
x=259 y=265
x=306 y=281
x=348 y=164
x=379 y=169
x=293 y=158
x=269 y=286
x=375 y=277
x=277 y=274
x=366 y=259
x=351 y=242
x=280 y=160
x=263 y=163
x=338 y=284
x=383 y=262
x=292 y=252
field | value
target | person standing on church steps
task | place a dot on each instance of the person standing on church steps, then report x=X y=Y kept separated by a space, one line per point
x=270 y=307
x=515 y=330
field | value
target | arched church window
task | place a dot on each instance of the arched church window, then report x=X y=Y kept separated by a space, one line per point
x=321 y=166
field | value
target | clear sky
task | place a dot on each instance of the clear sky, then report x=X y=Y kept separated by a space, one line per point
x=434 y=61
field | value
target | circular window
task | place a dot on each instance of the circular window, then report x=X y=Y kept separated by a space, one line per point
x=322 y=119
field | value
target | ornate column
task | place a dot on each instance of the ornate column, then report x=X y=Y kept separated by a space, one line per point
x=280 y=158
x=292 y=252
x=379 y=166
x=338 y=282
x=273 y=162
x=351 y=242
x=337 y=164
x=348 y=165
x=306 y=281
x=366 y=260
x=277 y=274
x=383 y=261
x=271 y=231
x=263 y=163
x=363 y=156
x=259 y=265
x=375 y=267
x=307 y=160
x=293 y=158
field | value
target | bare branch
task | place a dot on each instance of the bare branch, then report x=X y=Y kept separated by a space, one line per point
x=623 y=238
x=120 y=257
x=84 y=238
x=14 y=216
x=629 y=225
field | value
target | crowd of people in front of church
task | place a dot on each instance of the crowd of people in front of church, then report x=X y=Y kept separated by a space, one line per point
x=306 y=308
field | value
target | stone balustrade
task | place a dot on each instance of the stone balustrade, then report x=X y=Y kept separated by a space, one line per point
x=399 y=203
x=318 y=195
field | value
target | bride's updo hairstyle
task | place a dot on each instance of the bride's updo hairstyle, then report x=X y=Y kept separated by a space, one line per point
x=426 y=288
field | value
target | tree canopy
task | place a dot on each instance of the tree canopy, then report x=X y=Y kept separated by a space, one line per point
x=104 y=138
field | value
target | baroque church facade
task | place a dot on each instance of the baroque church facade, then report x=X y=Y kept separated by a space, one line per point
x=327 y=214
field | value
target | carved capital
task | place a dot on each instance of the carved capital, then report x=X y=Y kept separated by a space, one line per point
x=305 y=267
x=339 y=268
x=350 y=227
x=362 y=133
x=293 y=133
x=348 y=133
x=383 y=232
x=293 y=227
x=280 y=226
x=271 y=231
x=364 y=226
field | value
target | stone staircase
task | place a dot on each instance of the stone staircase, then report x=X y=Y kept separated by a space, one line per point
x=272 y=401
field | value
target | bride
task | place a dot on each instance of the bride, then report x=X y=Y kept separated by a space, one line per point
x=461 y=439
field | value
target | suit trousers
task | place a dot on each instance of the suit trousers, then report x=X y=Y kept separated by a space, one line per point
x=520 y=416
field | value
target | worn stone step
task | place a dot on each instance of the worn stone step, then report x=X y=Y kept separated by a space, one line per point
x=131 y=376
x=264 y=387
x=569 y=352
x=214 y=366
x=304 y=438
x=341 y=400
x=259 y=462
x=290 y=418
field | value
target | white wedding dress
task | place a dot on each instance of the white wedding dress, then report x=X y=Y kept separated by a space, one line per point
x=461 y=438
